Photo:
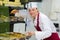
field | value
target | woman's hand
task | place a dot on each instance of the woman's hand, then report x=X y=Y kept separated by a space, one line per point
x=30 y=33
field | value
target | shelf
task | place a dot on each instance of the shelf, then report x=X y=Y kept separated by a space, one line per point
x=13 y=22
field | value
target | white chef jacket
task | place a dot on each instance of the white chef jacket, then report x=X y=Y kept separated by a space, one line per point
x=45 y=24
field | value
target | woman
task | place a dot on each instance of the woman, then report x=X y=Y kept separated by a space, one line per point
x=45 y=28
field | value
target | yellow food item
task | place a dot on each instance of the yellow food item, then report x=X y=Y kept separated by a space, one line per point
x=13 y=35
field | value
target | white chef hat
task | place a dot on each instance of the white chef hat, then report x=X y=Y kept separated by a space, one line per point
x=32 y=5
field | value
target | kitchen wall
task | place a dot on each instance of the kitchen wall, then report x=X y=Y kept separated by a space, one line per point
x=56 y=11
x=45 y=6
x=49 y=7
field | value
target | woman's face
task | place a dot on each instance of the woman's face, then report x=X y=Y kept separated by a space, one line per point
x=33 y=11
